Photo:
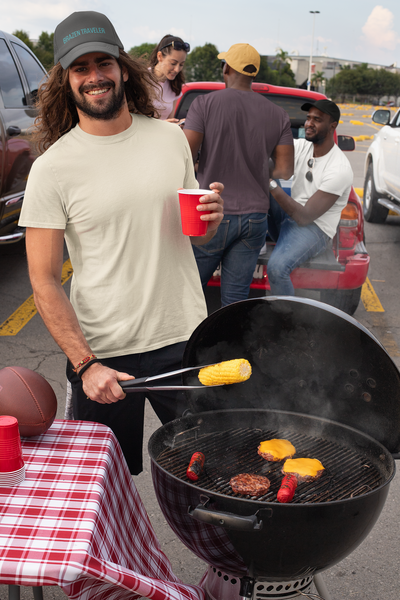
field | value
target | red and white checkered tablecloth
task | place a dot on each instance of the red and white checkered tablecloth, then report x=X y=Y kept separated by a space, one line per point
x=77 y=521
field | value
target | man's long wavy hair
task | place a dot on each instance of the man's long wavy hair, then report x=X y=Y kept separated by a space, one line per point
x=57 y=111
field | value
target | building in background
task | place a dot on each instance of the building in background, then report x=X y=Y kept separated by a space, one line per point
x=325 y=65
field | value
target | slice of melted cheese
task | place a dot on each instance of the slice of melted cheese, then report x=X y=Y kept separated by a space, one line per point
x=279 y=449
x=305 y=467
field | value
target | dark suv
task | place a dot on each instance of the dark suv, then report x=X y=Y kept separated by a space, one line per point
x=338 y=273
x=20 y=76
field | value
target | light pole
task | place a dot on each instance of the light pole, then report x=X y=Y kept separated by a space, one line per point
x=313 y=12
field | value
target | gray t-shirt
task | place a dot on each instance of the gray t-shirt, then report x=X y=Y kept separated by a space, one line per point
x=241 y=130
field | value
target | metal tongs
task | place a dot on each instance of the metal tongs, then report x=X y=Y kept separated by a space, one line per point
x=135 y=385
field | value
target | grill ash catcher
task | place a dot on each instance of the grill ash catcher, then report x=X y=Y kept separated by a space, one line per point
x=320 y=380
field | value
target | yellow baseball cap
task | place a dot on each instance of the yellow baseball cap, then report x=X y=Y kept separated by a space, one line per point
x=240 y=56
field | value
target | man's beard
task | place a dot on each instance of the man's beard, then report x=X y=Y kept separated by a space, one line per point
x=105 y=110
x=317 y=138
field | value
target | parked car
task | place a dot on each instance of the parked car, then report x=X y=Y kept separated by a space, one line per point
x=20 y=76
x=339 y=272
x=382 y=173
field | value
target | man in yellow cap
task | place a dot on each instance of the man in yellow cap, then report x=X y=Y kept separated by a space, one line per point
x=238 y=131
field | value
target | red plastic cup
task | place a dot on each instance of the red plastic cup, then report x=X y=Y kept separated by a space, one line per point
x=10 y=445
x=191 y=222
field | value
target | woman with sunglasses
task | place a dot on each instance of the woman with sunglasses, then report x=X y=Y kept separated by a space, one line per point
x=166 y=63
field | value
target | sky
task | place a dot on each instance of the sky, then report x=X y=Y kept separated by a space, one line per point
x=347 y=29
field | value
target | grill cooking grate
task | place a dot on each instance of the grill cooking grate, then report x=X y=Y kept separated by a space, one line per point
x=347 y=473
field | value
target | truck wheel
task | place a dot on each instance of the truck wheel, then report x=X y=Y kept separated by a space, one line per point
x=373 y=212
x=345 y=300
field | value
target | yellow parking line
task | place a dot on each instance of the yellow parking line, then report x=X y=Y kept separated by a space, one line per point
x=27 y=310
x=370 y=299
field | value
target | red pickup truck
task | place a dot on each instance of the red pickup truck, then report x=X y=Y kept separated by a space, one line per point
x=340 y=271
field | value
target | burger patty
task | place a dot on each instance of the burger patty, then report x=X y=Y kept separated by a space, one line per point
x=271 y=457
x=251 y=485
x=304 y=478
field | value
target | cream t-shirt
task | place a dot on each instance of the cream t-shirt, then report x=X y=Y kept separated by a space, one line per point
x=135 y=285
x=332 y=173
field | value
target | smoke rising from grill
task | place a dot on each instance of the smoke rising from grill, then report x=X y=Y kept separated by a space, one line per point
x=306 y=357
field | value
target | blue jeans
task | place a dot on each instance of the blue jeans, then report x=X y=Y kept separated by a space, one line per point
x=295 y=245
x=236 y=245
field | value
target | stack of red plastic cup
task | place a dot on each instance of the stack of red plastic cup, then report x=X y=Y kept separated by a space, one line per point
x=12 y=466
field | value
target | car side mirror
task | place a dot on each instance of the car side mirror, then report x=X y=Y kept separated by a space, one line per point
x=346 y=143
x=381 y=116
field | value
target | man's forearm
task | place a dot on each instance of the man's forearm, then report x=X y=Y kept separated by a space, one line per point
x=60 y=319
x=290 y=206
x=318 y=204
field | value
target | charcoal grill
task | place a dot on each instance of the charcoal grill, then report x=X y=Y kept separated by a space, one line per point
x=320 y=380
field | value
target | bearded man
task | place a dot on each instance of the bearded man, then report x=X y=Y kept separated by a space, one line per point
x=107 y=182
x=305 y=222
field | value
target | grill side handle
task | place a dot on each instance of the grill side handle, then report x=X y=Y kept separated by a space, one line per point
x=228 y=520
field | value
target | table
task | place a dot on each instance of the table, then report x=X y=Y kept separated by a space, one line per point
x=77 y=521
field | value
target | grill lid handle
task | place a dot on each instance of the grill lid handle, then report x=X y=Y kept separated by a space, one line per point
x=228 y=520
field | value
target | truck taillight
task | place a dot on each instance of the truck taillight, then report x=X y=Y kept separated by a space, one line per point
x=349 y=216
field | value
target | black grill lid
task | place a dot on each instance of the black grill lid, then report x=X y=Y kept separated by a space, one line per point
x=306 y=357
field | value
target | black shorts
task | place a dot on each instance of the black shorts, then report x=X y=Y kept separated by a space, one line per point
x=126 y=417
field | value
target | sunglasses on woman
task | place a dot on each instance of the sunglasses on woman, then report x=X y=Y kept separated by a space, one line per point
x=177 y=45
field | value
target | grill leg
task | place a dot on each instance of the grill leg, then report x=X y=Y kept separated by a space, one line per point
x=321 y=587
x=38 y=593
x=13 y=592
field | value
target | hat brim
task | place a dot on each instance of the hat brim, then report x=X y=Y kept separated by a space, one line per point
x=307 y=106
x=74 y=53
x=222 y=55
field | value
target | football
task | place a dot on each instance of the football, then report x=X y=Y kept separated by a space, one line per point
x=29 y=398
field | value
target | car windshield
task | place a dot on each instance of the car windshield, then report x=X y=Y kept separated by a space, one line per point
x=292 y=105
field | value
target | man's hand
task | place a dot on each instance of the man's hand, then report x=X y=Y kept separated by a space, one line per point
x=214 y=203
x=100 y=384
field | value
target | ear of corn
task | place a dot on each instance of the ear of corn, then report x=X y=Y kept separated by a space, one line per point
x=229 y=371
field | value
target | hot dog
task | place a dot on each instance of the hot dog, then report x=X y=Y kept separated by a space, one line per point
x=195 y=466
x=288 y=488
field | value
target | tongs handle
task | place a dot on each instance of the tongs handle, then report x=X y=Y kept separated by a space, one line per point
x=132 y=383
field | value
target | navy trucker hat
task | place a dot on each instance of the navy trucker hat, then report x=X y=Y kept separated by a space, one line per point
x=84 y=32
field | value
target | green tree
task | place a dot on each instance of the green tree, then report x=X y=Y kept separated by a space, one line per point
x=344 y=83
x=363 y=83
x=264 y=74
x=283 y=73
x=24 y=37
x=318 y=79
x=203 y=64
x=44 y=49
x=142 y=51
x=284 y=77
